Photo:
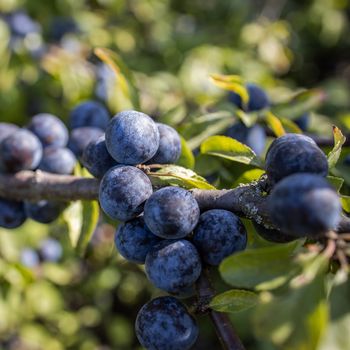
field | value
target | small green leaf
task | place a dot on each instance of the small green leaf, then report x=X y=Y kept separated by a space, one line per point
x=186 y=159
x=232 y=83
x=345 y=202
x=248 y=119
x=234 y=300
x=261 y=268
x=73 y=217
x=337 y=182
x=334 y=154
x=125 y=79
x=300 y=103
x=248 y=176
x=178 y=176
x=275 y=124
x=228 y=148
x=91 y=211
x=290 y=126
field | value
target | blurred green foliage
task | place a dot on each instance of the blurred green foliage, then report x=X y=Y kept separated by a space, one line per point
x=170 y=48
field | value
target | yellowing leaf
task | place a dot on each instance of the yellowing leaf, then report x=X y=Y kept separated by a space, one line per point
x=334 y=154
x=275 y=124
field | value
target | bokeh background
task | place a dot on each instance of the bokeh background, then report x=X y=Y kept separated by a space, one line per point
x=50 y=298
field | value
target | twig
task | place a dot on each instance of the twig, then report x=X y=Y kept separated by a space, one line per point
x=223 y=326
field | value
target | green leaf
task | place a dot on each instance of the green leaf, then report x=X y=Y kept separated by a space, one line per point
x=175 y=115
x=290 y=126
x=228 y=148
x=178 y=176
x=248 y=176
x=91 y=211
x=73 y=217
x=232 y=83
x=275 y=124
x=300 y=103
x=297 y=319
x=261 y=268
x=337 y=182
x=234 y=300
x=125 y=79
x=334 y=154
x=248 y=119
x=186 y=159
x=206 y=125
x=345 y=202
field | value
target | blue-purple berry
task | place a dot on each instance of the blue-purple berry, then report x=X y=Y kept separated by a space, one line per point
x=58 y=161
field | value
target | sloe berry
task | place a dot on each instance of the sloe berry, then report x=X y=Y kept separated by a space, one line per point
x=171 y=212
x=132 y=137
x=12 y=214
x=165 y=324
x=29 y=258
x=44 y=211
x=173 y=265
x=81 y=137
x=50 y=250
x=123 y=191
x=6 y=129
x=218 y=234
x=49 y=129
x=89 y=114
x=58 y=161
x=96 y=158
x=134 y=240
x=294 y=153
x=169 y=149
x=303 y=121
x=258 y=98
x=304 y=205
x=21 y=150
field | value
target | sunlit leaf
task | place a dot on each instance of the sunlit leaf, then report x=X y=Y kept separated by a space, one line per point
x=228 y=148
x=337 y=182
x=290 y=126
x=186 y=159
x=275 y=124
x=334 y=154
x=248 y=176
x=345 y=202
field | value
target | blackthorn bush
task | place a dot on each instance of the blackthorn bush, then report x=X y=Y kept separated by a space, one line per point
x=169 y=149
x=21 y=150
x=258 y=98
x=254 y=137
x=173 y=265
x=132 y=137
x=6 y=129
x=58 y=161
x=123 y=192
x=304 y=205
x=81 y=137
x=134 y=240
x=96 y=158
x=218 y=234
x=164 y=323
x=89 y=113
x=44 y=211
x=12 y=213
x=294 y=153
x=171 y=212
x=49 y=129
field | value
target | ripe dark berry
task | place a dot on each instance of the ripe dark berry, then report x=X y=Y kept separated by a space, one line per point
x=169 y=149
x=49 y=129
x=304 y=205
x=258 y=98
x=294 y=153
x=6 y=129
x=254 y=137
x=12 y=213
x=81 y=137
x=44 y=211
x=272 y=235
x=89 y=113
x=96 y=158
x=165 y=324
x=58 y=161
x=171 y=212
x=303 y=121
x=123 y=192
x=218 y=234
x=21 y=150
x=132 y=138
x=173 y=265
x=134 y=240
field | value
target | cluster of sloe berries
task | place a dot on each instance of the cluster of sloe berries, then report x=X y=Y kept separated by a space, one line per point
x=45 y=144
x=163 y=229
